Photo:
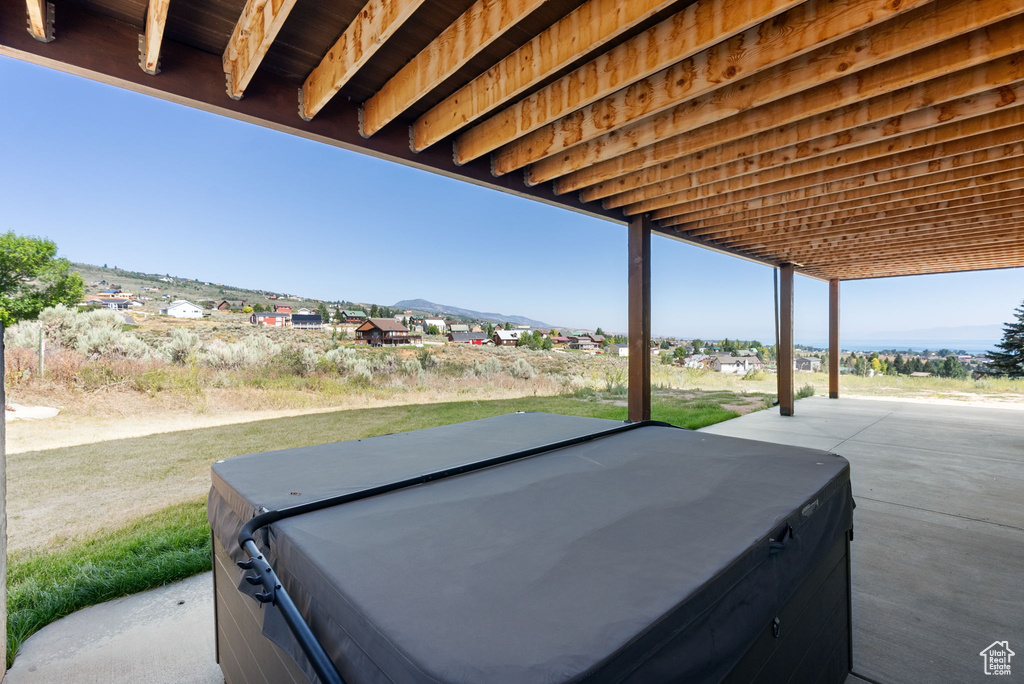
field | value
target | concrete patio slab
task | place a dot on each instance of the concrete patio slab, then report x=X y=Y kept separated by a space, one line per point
x=162 y=636
x=938 y=549
x=938 y=554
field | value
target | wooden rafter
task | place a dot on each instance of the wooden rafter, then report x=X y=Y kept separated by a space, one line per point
x=919 y=182
x=970 y=187
x=789 y=237
x=474 y=30
x=572 y=37
x=40 y=20
x=681 y=135
x=367 y=33
x=619 y=118
x=880 y=168
x=255 y=31
x=933 y=248
x=737 y=174
x=984 y=88
x=945 y=232
x=905 y=267
x=686 y=33
x=882 y=155
x=149 y=44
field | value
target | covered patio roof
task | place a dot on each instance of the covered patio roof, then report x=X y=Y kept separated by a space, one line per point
x=854 y=139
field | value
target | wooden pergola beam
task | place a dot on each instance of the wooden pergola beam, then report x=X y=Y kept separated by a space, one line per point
x=40 y=20
x=693 y=133
x=1002 y=250
x=682 y=35
x=810 y=26
x=574 y=36
x=479 y=26
x=254 y=33
x=918 y=146
x=904 y=236
x=896 y=211
x=891 y=269
x=918 y=178
x=904 y=193
x=821 y=135
x=618 y=135
x=149 y=44
x=367 y=33
x=1002 y=143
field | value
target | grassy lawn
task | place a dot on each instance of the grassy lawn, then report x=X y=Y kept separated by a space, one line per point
x=147 y=548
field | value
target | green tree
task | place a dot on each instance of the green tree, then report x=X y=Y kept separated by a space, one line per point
x=507 y=326
x=338 y=316
x=546 y=344
x=1009 y=360
x=325 y=315
x=698 y=345
x=599 y=331
x=952 y=368
x=247 y=309
x=679 y=352
x=33 y=278
x=490 y=330
x=432 y=330
x=257 y=307
x=374 y=312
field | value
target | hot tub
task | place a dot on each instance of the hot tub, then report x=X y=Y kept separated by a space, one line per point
x=653 y=554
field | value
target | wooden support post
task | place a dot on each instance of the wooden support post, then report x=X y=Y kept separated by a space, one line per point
x=833 y=338
x=785 y=351
x=640 y=318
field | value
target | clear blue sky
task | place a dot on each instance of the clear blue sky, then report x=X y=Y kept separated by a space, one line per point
x=120 y=178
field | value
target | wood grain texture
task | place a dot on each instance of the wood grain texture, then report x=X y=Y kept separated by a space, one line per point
x=367 y=33
x=38 y=23
x=881 y=168
x=885 y=154
x=810 y=26
x=579 y=33
x=478 y=26
x=776 y=169
x=962 y=52
x=255 y=31
x=686 y=33
x=156 y=21
x=982 y=89
x=814 y=198
x=974 y=187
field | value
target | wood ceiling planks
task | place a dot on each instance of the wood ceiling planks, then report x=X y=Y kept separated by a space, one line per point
x=840 y=136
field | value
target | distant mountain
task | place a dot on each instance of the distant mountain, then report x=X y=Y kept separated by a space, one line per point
x=431 y=307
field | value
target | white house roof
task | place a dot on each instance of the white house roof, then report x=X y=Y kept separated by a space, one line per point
x=508 y=334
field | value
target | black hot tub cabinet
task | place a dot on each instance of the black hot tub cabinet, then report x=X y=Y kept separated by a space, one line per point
x=651 y=555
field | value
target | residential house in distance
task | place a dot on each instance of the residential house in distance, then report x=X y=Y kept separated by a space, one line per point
x=583 y=343
x=808 y=364
x=353 y=315
x=467 y=337
x=182 y=309
x=559 y=341
x=274 y=319
x=231 y=304
x=617 y=350
x=507 y=338
x=282 y=309
x=458 y=327
x=378 y=332
x=307 y=321
x=737 y=365
x=439 y=323
x=305 y=312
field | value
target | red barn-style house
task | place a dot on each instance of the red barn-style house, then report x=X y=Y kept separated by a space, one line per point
x=378 y=332
x=274 y=320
